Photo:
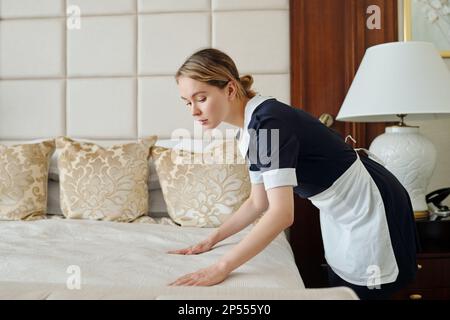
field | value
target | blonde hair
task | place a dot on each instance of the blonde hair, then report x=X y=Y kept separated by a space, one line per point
x=216 y=68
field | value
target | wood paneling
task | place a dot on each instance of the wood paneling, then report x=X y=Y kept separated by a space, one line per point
x=328 y=41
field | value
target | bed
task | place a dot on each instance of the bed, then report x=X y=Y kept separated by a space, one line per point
x=54 y=257
x=129 y=261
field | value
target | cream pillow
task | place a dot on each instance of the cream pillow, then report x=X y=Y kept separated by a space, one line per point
x=202 y=194
x=23 y=180
x=104 y=183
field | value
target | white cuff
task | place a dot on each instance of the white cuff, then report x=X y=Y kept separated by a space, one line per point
x=279 y=177
x=255 y=177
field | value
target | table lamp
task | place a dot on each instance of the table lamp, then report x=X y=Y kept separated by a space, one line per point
x=401 y=81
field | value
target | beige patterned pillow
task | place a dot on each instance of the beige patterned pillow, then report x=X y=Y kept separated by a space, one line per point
x=104 y=183
x=23 y=180
x=202 y=195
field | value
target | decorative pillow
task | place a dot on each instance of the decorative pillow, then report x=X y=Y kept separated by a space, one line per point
x=202 y=189
x=53 y=174
x=23 y=180
x=104 y=183
x=157 y=205
x=153 y=182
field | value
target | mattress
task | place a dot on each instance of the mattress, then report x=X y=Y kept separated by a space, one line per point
x=126 y=258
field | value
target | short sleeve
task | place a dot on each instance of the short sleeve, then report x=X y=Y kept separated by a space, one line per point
x=273 y=153
x=255 y=174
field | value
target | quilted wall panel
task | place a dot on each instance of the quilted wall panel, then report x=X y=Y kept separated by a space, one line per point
x=112 y=79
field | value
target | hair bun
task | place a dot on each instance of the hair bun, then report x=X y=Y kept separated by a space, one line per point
x=247 y=81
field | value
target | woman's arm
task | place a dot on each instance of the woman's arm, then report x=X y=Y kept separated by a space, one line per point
x=251 y=209
x=279 y=216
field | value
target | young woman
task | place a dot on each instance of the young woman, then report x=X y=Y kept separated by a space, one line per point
x=367 y=220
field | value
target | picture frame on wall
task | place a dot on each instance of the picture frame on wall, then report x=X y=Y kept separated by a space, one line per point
x=428 y=20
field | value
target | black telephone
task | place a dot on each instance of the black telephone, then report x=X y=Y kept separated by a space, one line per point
x=434 y=200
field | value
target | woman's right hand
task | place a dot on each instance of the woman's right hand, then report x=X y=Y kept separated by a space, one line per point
x=200 y=247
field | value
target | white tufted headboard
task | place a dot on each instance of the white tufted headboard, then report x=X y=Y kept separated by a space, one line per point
x=113 y=78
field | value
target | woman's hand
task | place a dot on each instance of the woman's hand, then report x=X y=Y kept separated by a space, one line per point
x=204 y=277
x=201 y=247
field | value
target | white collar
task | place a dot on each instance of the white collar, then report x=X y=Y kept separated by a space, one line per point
x=244 y=136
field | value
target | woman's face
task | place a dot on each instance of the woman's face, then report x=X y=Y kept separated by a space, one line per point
x=208 y=104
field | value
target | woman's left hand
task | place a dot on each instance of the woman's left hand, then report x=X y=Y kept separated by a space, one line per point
x=204 y=277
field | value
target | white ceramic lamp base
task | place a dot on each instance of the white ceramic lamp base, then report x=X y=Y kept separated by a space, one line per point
x=411 y=157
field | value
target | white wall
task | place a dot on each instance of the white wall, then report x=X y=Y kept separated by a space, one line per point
x=438 y=131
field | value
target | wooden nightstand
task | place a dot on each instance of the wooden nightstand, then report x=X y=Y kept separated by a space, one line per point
x=433 y=259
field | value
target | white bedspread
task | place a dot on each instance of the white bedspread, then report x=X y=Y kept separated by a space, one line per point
x=46 y=253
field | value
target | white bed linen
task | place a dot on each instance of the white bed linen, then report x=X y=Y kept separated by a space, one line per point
x=53 y=292
x=37 y=254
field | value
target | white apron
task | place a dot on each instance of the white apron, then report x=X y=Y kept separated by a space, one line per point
x=354 y=229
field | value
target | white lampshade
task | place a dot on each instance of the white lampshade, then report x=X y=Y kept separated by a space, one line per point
x=398 y=78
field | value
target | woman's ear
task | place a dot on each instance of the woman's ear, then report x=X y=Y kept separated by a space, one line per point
x=231 y=90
